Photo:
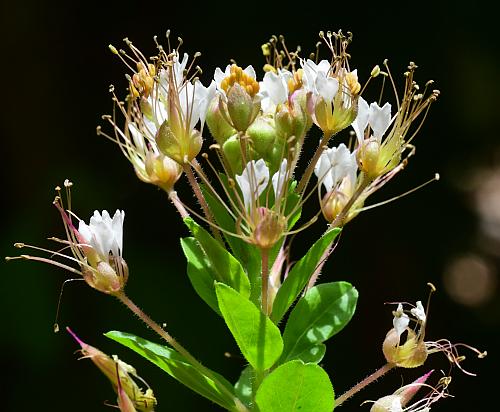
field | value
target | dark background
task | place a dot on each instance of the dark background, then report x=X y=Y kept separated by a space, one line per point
x=55 y=73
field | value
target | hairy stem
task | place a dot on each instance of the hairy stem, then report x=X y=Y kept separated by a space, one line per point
x=338 y=222
x=178 y=347
x=310 y=168
x=201 y=199
x=364 y=383
x=174 y=198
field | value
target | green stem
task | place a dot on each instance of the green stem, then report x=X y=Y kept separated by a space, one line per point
x=364 y=383
x=178 y=347
x=338 y=222
x=310 y=168
x=265 y=280
x=201 y=199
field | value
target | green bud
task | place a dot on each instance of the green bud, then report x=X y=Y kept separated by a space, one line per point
x=291 y=120
x=220 y=129
x=241 y=107
x=180 y=147
x=232 y=153
x=262 y=134
x=368 y=158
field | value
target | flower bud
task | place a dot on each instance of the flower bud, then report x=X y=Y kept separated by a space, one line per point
x=220 y=129
x=262 y=134
x=368 y=157
x=119 y=373
x=242 y=108
x=178 y=145
x=269 y=228
x=291 y=120
x=411 y=354
x=162 y=171
x=332 y=204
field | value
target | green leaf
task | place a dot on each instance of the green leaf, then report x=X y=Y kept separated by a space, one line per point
x=247 y=254
x=322 y=312
x=199 y=272
x=300 y=275
x=224 y=266
x=258 y=338
x=296 y=387
x=243 y=388
x=313 y=354
x=179 y=368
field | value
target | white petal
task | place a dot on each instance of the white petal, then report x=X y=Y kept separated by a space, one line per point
x=400 y=321
x=117 y=228
x=276 y=88
x=419 y=312
x=396 y=405
x=250 y=71
x=361 y=121
x=137 y=137
x=253 y=181
x=379 y=119
x=327 y=87
x=323 y=170
x=279 y=179
x=219 y=75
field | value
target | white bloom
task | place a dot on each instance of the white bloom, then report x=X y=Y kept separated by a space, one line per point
x=378 y=118
x=335 y=165
x=274 y=89
x=194 y=100
x=419 y=312
x=401 y=320
x=104 y=234
x=253 y=181
x=279 y=179
x=317 y=80
x=220 y=75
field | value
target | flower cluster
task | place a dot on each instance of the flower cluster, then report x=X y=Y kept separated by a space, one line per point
x=250 y=197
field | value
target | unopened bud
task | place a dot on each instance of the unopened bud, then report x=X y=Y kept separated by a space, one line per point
x=241 y=107
x=291 y=120
x=220 y=129
x=262 y=134
x=178 y=144
x=162 y=171
x=368 y=157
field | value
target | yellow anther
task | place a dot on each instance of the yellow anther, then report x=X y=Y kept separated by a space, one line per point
x=238 y=76
x=296 y=82
x=352 y=82
x=266 y=50
x=269 y=68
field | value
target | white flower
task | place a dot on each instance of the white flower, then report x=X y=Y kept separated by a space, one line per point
x=335 y=165
x=274 y=89
x=104 y=234
x=419 y=312
x=378 y=118
x=194 y=100
x=220 y=75
x=279 y=179
x=401 y=320
x=317 y=80
x=253 y=181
